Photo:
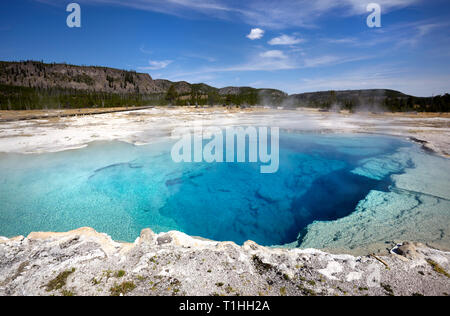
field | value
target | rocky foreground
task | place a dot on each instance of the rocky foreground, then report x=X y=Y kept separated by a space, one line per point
x=84 y=262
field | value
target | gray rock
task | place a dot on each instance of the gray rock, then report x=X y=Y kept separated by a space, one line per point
x=87 y=263
x=147 y=236
x=166 y=239
x=409 y=251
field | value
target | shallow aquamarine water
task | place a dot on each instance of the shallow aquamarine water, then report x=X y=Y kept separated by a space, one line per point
x=119 y=189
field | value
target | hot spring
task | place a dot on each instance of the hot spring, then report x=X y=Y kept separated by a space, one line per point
x=330 y=190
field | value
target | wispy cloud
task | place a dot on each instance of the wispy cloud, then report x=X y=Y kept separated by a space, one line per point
x=320 y=61
x=274 y=60
x=201 y=57
x=156 y=65
x=394 y=36
x=420 y=31
x=143 y=50
x=331 y=60
x=345 y=40
x=285 y=40
x=277 y=54
x=266 y=13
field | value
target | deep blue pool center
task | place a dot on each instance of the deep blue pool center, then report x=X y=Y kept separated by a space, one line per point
x=119 y=189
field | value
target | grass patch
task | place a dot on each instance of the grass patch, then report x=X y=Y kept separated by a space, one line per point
x=94 y=281
x=141 y=278
x=342 y=291
x=60 y=281
x=306 y=292
x=437 y=268
x=260 y=265
x=229 y=289
x=123 y=288
x=388 y=289
x=120 y=274
x=67 y=293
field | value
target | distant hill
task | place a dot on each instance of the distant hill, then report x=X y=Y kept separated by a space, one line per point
x=34 y=74
x=374 y=100
x=36 y=85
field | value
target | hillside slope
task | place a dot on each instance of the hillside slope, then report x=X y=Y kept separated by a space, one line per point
x=35 y=85
x=33 y=74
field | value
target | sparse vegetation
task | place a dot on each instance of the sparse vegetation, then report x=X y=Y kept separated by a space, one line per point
x=67 y=293
x=260 y=265
x=141 y=278
x=305 y=291
x=437 y=268
x=229 y=289
x=60 y=281
x=122 y=288
x=388 y=289
x=120 y=274
x=94 y=281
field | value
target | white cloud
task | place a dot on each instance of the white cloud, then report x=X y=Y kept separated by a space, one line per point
x=256 y=34
x=285 y=40
x=156 y=65
x=276 y=54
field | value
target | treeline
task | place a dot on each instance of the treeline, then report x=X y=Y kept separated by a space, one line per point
x=437 y=104
x=203 y=95
x=24 y=98
x=371 y=100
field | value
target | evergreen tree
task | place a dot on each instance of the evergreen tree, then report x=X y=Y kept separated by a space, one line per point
x=172 y=95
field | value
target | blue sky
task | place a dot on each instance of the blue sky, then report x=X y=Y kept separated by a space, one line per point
x=299 y=45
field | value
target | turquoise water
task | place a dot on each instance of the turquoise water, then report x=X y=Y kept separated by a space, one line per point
x=119 y=189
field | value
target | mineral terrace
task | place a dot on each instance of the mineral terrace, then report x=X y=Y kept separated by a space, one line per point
x=84 y=262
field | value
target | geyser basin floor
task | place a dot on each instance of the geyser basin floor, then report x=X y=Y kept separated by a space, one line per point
x=354 y=191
